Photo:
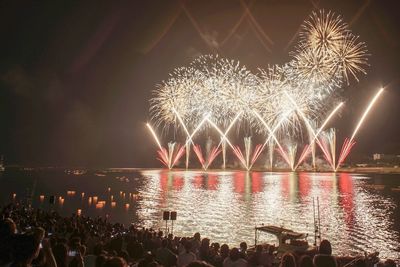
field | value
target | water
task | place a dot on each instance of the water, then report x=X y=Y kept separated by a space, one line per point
x=358 y=212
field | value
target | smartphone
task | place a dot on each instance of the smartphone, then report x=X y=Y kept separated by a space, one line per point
x=72 y=253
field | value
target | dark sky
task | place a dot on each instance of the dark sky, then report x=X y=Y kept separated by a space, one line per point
x=76 y=76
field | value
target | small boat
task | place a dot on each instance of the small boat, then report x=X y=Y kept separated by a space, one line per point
x=288 y=240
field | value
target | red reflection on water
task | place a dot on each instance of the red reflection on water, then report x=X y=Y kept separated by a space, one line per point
x=247 y=182
x=256 y=182
x=206 y=181
x=346 y=197
x=285 y=186
x=164 y=181
x=212 y=182
x=198 y=181
x=239 y=182
x=169 y=180
x=178 y=182
x=304 y=185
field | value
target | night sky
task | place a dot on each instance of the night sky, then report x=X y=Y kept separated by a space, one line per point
x=76 y=76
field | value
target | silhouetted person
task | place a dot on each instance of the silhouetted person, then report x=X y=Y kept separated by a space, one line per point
x=26 y=249
x=324 y=261
x=7 y=231
x=324 y=256
x=187 y=256
x=288 y=260
x=165 y=256
x=256 y=258
x=325 y=247
x=204 y=250
x=306 y=261
x=243 y=250
x=234 y=259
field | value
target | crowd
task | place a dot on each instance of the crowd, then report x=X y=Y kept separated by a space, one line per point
x=38 y=238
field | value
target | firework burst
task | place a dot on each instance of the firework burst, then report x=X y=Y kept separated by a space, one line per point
x=278 y=102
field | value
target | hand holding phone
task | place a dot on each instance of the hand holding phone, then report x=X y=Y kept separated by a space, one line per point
x=72 y=253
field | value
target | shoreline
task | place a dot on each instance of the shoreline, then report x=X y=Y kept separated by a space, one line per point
x=376 y=170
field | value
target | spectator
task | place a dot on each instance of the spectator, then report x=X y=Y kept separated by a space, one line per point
x=234 y=259
x=165 y=256
x=204 y=250
x=26 y=249
x=325 y=247
x=256 y=258
x=322 y=260
x=187 y=256
x=243 y=250
x=306 y=261
x=288 y=260
x=7 y=231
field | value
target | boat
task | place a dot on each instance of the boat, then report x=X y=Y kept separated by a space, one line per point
x=288 y=240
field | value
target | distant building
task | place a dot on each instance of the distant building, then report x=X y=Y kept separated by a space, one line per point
x=386 y=158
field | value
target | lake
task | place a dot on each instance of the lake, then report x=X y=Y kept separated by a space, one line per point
x=358 y=212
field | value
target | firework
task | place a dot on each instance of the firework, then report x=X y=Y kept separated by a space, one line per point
x=280 y=101
x=349 y=143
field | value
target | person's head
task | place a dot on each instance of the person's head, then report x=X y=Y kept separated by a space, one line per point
x=205 y=243
x=325 y=247
x=26 y=248
x=224 y=250
x=115 y=262
x=197 y=236
x=288 y=260
x=259 y=248
x=243 y=246
x=215 y=246
x=39 y=233
x=306 y=261
x=234 y=254
x=324 y=261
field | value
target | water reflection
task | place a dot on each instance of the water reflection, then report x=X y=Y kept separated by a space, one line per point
x=226 y=206
x=357 y=212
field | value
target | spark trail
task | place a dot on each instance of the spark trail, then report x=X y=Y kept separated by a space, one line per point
x=349 y=143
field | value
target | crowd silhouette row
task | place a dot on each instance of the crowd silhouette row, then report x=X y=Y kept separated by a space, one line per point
x=38 y=238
